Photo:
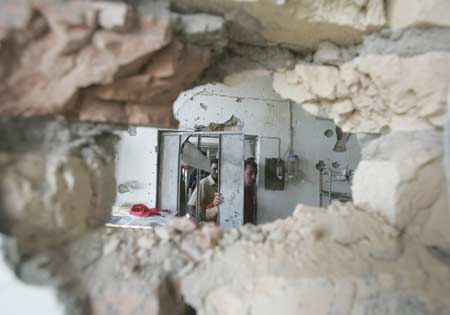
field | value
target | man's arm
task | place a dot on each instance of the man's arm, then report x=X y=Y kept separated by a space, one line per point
x=211 y=213
x=192 y=203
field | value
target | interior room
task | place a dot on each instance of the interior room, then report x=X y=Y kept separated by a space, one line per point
x=300 y=158
x=224 y=157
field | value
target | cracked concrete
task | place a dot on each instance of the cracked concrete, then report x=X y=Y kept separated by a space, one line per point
x=386 y=253
x=373 y=94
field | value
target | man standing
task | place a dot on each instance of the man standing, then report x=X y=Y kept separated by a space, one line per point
x=250 y=172
x=208 y=189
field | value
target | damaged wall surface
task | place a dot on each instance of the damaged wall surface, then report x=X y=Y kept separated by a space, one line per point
x=95 y=62
x=264 y=22
x=136 y=167
x=385 y=254
x=248 y=96
x=374 y=93
x=58 y=176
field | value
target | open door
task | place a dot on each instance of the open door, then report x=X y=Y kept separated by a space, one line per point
x=231 y=180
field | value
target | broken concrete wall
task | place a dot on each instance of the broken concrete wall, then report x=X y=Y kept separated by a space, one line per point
x=57 y=180
x=248 y=97
x=371 y=257
x=264 y=22
x=342 y=260
x=92 y=61
x=375 y=93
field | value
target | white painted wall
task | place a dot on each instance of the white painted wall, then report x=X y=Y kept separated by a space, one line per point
x=136 y=162
x=264 y=113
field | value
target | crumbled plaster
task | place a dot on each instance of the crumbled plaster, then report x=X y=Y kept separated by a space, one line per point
x=341 y=260
x=369 y=258
x=94 y=64
x=406 y=42
x=57 y=180
x=373 y=94
x=402 y=176
x=404 y=13
x=291 y=23
x=255 y=61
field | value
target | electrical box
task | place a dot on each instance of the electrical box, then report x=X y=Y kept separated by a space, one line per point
x=274 y=173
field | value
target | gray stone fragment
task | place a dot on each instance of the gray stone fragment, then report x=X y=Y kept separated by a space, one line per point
x=327 y=53
x=406 y=42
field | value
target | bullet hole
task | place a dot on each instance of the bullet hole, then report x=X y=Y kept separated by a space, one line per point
x=335 y=164
x=132 y=131
x=320 y=165
x=328 y=133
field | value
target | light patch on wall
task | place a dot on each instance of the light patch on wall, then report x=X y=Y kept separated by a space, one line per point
x=244 y=76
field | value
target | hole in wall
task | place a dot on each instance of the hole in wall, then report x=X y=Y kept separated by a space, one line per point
x=328 y=133
x=320 y=165
x=341 y=140
x=335 y=164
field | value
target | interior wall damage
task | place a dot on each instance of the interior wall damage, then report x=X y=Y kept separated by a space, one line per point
x=386 y=253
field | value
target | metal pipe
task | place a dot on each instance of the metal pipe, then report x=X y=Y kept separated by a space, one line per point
x=324 y=171
x=329 y=188
x=291 y=132
x=219 y=154
x=179 y=210
x=206 y=133
x=197 y=208
x=320 y=188
x=243 y=179
x=159 y=168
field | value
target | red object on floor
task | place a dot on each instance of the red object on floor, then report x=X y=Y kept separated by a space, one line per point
x=142 y=210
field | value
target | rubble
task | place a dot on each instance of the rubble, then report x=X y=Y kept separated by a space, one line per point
x=385 y=253
x=85 y=73
x=404 y=13
x=264 y=22
x=57 y=180
x=402 y=176
x=373 y=94
x=406 y=42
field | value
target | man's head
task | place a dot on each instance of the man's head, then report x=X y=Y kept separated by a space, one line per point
x=250 y=171
x=214 y=168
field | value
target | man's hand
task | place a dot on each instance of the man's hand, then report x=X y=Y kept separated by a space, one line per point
x=218 y=199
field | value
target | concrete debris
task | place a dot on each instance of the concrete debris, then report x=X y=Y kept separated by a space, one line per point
x=265 y=22
x=405 y=13
x=406 y=42
x=271 y=281
x=114 y=16
x=402 y=176
x=385 y=253
x=327 y=53
x=115 y=73
x=373 y=94
x=240 y=63
x=202 y=30
x=163 y=233
x=75 y=163
x=182 y=225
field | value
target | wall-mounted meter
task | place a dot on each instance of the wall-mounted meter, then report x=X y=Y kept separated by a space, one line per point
x=292 y=166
